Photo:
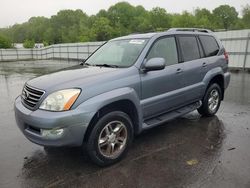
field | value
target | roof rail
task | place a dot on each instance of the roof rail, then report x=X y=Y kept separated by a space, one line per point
x=191 y=30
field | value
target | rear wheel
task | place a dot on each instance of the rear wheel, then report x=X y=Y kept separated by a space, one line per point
x=110 y=138
x=211 y=101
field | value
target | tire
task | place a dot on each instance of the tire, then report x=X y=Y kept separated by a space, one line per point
x=110 y=138
x=211 y=101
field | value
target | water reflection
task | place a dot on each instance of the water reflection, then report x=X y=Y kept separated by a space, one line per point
x=163 y=151
x=239 y=90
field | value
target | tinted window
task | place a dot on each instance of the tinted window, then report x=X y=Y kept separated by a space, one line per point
x=189 y=48
x=165 y=48
x=210 y=45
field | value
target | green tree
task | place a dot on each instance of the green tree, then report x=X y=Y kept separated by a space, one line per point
x=101 y=29
x=159 y=19
x=225 y=16
x=246 y=16
x=120 y=19
x=204 y=18
x=45 y=43
x=67 y=26
x=36 y=27
x=29 y=43
x=5 y=42
x=185 y=19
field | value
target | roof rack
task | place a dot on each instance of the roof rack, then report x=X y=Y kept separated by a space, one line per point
x=191 y=30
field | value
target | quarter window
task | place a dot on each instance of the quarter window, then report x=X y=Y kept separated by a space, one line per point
x=189 y=48
x=210 y=45
x=165 y=48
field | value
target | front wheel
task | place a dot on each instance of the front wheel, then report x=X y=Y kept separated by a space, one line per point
x=109 y=140
x=211 y=101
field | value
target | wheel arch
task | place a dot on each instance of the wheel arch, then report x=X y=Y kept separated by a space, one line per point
x=218 y=79
x=124 y=105
x=122 y=99
x=215 y=76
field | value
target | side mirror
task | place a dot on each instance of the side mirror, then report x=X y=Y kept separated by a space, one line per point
x=155 y=64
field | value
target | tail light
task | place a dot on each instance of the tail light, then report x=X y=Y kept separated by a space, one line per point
x=226 y=56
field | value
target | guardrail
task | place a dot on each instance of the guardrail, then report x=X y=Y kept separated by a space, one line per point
x=237 y=44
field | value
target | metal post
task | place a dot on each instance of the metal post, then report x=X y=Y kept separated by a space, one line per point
x=1 y=54
x=68 y=52
x=77 y=52
x=60 y=53
x=17 y=56
x=88 y=49
x=246 y=51
x=53 y=57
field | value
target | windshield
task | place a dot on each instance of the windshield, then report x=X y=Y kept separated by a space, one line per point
x=120 y=53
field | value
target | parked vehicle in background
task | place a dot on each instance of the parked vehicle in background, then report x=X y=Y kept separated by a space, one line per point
x=130 y=84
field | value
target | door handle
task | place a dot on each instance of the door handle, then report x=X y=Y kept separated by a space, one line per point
x=179 y=70
x=204 y=64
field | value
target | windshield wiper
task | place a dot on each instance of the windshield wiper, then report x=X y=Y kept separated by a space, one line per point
x=84 y=63
x=106 y=65
x=87 y=64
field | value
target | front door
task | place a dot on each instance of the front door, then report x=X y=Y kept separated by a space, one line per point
x=161 y=90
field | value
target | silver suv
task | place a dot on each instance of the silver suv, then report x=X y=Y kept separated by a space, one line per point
x=128 y=85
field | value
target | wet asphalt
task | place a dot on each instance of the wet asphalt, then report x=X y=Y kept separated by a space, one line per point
x=191 y=151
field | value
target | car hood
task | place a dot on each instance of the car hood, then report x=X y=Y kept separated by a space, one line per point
x=70 y=78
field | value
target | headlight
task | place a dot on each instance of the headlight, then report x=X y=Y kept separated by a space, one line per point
x=60 y=100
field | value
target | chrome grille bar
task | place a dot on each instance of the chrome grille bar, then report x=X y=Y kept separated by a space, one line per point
x=31 y=96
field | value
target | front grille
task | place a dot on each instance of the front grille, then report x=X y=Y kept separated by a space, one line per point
x=31 y=96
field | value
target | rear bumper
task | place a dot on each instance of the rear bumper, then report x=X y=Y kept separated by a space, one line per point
x=74 y=124
x=227 y=77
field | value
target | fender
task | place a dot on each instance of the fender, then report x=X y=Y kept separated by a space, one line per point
x=94 y=104
x=210 y=75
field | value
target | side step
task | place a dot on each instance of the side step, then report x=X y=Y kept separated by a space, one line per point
x=170 y=115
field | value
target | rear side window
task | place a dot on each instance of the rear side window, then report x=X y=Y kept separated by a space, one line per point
x=210 y=45
x=165 y=48
x=189 y=48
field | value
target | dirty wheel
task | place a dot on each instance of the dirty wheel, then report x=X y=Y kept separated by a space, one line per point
x=211 y=101
x=109 y=140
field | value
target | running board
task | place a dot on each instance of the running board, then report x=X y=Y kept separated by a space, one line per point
x=170 y=115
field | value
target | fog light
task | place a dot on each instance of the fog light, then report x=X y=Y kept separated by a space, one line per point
x=52 y=133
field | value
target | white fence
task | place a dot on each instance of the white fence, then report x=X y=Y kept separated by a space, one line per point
x=237 y=44
x=73 y=51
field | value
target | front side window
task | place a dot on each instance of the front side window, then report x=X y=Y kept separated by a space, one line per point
x=165 y=48
x=189 y=48
x=119 y=53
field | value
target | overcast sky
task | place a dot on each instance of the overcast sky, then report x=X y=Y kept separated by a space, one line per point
x=19 y=11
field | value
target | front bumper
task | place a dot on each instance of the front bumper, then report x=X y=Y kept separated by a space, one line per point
x=73 y=122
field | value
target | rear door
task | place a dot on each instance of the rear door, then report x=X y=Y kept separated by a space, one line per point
x=160 y=89
x=194 y=65
x=211 y=49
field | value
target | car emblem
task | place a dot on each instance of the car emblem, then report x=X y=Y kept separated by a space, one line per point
x=26 y=94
